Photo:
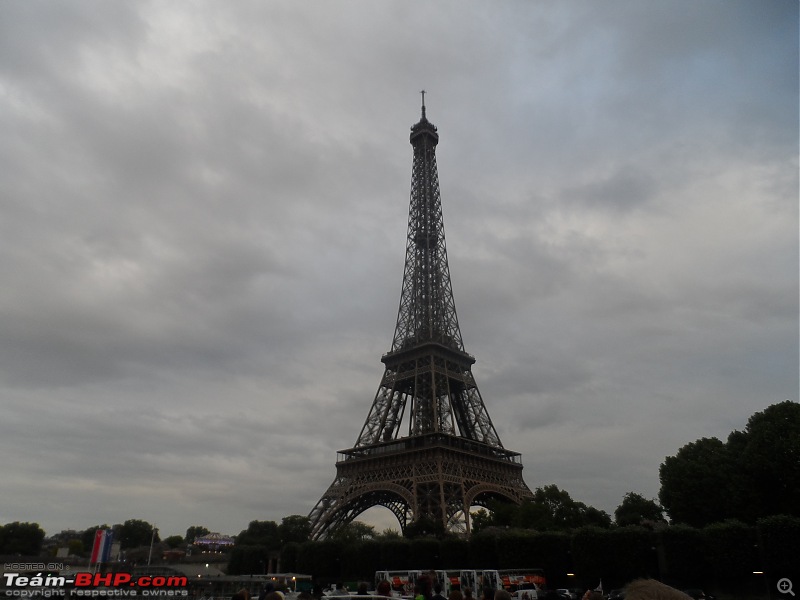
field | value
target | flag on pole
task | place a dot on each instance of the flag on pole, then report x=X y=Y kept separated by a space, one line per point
x=106 y=556
x=101 y=549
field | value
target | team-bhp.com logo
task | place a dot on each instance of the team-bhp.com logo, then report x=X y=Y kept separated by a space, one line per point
x=93 y=584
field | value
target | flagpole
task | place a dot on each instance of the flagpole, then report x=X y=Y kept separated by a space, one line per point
x=152 y=540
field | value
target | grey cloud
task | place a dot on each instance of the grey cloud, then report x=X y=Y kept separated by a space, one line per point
x=204 y=218
x=626 y=189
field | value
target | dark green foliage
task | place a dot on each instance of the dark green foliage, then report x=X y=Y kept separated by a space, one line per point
x=294 y=528
x=593 y=517
x=724 y=554
x=307 y=557
x=590 y=553
x=638 y=510
x=246 y=559
x=454 y=551
x=482 y=549
x=354 y=532
x=253 y=545
x=76 y=548
x=481 y=519
x=134 y=533
x=174 y=541
x=424 y=527
x=779 y=545
x=732 y=551
x=289 y=557
x=505 y=514
x=686 y=556
x=260 y=533
x=24 y=539
x=554 y=509
x=360 y=560
x=552 y=551
x=633 y=553
x=515 y=548
x=323 y=559
x=616 y=556
x=756 y=473
x=771 y=459
x=370 y=559
x=551 y=509
x=396 y=554
x=66 y=537
x=695 y=483
x=425 y=553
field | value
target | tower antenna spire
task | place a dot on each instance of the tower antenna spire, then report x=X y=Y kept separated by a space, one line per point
x=423 y=103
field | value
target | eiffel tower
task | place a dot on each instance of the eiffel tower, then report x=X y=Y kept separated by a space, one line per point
x=450 y=457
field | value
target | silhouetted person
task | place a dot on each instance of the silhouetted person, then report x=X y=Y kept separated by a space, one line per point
x=384 y=588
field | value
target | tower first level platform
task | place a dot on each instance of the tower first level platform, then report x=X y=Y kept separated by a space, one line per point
x=434 y=478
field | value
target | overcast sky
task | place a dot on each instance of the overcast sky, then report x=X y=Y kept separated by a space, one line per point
x=204 y=209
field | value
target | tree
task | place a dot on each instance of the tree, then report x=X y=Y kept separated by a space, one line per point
x=294 y=528
x=134 y=533
x=260 y=533
x=481 y=519
x=755 y=474
x=637 y=510
x=356 y=531
x=771 y=460
x=424 y=527
x=248 y=559
x=593 y=517
x=695 y=483
x=194 y=532
x=21 y=538
x=389 y=534
x=70 y=539
x=174 y=541
x=551 y=509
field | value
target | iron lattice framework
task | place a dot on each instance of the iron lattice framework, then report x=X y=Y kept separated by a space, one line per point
x=450 y=458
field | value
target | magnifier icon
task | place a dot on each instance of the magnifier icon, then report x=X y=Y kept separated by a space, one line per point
x=785 y=586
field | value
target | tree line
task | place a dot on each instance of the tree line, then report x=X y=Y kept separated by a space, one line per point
x=730 y=556
x=27 y=539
